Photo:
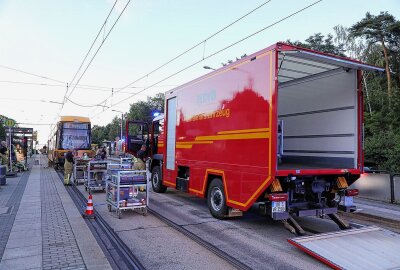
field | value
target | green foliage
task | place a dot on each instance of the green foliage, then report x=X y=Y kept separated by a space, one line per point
x=375 y=39
x=114 y=129
x=381 y=34
x=384 y=149
x=2 y=132
x=375 y=29
x=141 y=111
x=318 y=42
x=98 y=134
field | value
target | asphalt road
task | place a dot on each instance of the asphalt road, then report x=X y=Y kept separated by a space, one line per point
x=252 y=239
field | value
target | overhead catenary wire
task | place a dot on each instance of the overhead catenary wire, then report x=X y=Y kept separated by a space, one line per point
x=190 y=49
x=31 y=74
x=98 y=49
x=91 y=46
x=88 y=65
x=88 y=87
x=215 y=53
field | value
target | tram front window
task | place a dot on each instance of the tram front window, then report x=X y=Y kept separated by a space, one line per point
x=75 y=136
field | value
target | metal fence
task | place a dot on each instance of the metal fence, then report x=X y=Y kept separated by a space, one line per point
x=379 y=185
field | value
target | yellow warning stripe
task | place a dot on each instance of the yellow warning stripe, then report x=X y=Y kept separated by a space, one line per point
x=184 y=146
x=195 y=142
x=245 y=131
x=256 y=135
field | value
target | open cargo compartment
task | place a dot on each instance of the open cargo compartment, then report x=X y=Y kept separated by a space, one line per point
x=318 y=118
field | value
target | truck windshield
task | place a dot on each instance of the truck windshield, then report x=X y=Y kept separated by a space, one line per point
x=75 y=136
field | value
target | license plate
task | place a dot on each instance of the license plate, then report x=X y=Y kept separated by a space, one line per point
x=278 y=207
x=348 y=201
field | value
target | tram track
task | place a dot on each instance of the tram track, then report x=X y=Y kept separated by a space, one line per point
x=118 y=252
x=215 y=250
x=102 y=228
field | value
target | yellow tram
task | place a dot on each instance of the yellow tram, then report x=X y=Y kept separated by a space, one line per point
x=70 y=133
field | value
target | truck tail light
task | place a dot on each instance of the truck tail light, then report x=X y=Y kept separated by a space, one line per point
x=278 y=197
x=351 y=192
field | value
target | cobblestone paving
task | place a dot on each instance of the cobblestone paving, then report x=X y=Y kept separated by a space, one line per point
x=60 y=250
x=10 y=198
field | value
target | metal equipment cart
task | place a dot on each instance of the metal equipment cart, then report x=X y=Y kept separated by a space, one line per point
x=80 y=169
x=127 y=189
x=96 y=175
x=126 y=163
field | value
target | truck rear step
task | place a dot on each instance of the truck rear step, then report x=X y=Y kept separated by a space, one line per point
x=369 y=247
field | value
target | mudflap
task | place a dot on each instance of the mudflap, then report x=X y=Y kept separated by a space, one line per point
x=369 y=247
x=233 y=212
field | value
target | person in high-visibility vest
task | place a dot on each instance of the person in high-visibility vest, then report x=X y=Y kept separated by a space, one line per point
x=3 y=154
x=140 y=164
x=68 y=165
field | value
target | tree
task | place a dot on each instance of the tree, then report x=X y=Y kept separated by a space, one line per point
x=143 y=110
x=2 y=132
x=231 y=61
x=113 y=129
x=379 y=29
x=318 y=42
x=98 y=134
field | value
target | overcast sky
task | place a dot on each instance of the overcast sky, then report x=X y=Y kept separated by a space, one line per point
x=50 y=39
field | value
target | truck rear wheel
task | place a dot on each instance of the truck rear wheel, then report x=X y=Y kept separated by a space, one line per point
x=156 y=180
x=216 y=199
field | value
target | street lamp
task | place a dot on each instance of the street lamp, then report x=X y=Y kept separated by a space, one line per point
x=122 y=120
x=207 y=67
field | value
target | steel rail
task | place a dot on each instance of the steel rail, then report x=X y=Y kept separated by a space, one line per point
x=215 y=250
x=105 y=232
x=110 y=233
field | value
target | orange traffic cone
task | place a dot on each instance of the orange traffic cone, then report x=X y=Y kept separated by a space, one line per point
x=89 y=213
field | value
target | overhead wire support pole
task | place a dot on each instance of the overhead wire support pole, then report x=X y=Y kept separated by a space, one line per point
x=64 y=100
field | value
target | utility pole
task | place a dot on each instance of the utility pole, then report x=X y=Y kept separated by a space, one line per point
x=122 y=121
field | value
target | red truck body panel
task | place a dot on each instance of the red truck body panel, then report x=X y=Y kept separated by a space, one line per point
x=226 y=126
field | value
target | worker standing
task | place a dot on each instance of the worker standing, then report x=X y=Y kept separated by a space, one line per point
x=3 y=154
x=140 y=164
x=68 y=165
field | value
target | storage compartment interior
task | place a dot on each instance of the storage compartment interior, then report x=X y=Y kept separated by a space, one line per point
x=317 y=114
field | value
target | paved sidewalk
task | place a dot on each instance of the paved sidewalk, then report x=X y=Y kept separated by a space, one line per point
x=378 y=208
x=47 y=231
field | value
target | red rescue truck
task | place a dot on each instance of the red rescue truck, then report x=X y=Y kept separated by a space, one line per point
x=282 y=127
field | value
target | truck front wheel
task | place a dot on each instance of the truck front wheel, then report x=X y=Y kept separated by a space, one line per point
x=216 y=199
x=156 y=180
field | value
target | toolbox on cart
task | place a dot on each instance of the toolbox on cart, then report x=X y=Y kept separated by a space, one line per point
x=80 y=170
x=127 y=189
x=96 y=175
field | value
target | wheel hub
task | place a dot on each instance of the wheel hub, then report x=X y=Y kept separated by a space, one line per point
x=216 y=199
x=155 y=179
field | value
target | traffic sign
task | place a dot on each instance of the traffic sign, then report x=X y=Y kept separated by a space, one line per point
x=22 y=130
x=9 y=122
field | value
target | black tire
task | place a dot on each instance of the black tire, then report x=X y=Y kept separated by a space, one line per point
x=156 y=180
x=216 y=199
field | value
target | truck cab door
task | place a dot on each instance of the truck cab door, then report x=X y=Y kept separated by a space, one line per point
x=137 y=134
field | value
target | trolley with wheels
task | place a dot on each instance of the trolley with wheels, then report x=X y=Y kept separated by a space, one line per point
x=127 y=190
x=126 y=163
x=96 y=175
x=80 y=171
